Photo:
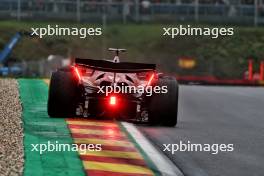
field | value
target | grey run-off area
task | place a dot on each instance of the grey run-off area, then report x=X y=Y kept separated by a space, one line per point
x=217 y=115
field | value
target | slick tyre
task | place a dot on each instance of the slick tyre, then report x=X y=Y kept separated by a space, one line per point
x=62 y=94
x=163 y=107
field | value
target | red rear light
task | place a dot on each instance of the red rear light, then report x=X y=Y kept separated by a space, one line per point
x=112 y=100
x=77 y=73
x=145 y=75
x=84 y=71
x=151 y=79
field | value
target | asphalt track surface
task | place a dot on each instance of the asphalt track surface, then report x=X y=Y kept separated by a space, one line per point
x=217 y=115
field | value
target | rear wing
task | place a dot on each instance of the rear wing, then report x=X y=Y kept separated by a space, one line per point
x=121 y=67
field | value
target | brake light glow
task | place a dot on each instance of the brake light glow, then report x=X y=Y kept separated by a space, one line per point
x=112 y=100
x=77 y=73
x=150 y=79
x=84 y=71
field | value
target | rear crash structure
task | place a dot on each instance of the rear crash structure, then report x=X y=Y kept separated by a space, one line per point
x=82 y=90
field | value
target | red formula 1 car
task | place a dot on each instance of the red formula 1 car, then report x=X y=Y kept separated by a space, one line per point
x=112 y=89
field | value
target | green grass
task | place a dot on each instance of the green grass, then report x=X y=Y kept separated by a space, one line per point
x=223 y=57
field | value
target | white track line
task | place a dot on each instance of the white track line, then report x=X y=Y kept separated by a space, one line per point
x=163 y=164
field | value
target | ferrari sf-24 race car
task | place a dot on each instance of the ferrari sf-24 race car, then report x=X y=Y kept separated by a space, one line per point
x=88 y=87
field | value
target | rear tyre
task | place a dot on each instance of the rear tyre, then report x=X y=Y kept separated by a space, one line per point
x=163 y=107
x=63 y=91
